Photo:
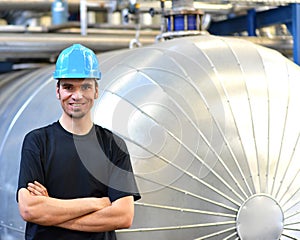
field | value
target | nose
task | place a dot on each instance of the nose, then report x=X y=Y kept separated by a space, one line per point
x=77 y=94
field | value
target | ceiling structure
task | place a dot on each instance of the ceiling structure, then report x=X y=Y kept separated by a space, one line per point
x=25 y=37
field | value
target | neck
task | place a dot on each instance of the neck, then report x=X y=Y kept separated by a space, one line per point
x=78 y=126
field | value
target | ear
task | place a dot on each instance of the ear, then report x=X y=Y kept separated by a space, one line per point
x=96 y=92
x=57 y=92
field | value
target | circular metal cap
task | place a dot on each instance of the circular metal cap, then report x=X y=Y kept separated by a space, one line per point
x=260 y=217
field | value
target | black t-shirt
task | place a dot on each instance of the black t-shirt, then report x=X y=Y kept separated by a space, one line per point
x=72 y=166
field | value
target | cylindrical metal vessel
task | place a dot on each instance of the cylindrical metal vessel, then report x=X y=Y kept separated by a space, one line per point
x=212 y=126
x=59 y=11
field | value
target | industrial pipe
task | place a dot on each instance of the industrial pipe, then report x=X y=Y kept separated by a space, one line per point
x=213 y=138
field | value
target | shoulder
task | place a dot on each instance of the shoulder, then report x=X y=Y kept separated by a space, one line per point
x=37 y=137
x=40 y=132
x=107 y=136
x=107 y=133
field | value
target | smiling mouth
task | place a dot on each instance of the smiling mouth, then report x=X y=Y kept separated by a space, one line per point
x=76 y=104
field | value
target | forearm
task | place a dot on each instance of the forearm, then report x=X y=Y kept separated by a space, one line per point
x=51 y=211
x=118 y=215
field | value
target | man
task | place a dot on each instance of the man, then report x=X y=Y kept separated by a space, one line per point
x=76 y=179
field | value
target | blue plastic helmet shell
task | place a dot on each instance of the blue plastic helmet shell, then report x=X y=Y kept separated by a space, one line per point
x=77 y=61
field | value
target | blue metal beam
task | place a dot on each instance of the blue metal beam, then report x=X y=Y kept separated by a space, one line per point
x=251 y=22
x=296 y=31
x=288 y=15
x=280 y=15
x=6 y=67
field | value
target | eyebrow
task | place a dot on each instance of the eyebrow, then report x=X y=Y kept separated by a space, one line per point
x=67 y=84
x=71 y=84
x=87 y=84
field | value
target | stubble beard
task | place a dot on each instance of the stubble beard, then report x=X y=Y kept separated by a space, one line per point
x=76 y=115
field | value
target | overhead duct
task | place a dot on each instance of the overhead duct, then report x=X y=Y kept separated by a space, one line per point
x=46 y=46
x=183 y=4
x=23 y=43
x=212 y=126
x=45 y=5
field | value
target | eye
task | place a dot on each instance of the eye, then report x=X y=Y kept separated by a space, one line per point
x=86 y=87
x=68 y=87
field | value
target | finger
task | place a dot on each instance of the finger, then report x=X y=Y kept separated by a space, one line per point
x=41 y=188
x=33 y=191
x=34 y=186
x=36 y=189
x=40 y=185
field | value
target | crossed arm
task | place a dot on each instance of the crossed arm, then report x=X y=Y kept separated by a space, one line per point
x=88 y=214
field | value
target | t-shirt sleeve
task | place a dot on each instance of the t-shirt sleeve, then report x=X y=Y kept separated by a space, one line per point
x=31 y=167
x=122 y=181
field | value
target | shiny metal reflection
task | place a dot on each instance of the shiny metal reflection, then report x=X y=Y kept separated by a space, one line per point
x=260 y=217
x=210 y=122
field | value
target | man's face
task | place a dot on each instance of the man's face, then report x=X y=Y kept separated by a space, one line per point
x=77 y=96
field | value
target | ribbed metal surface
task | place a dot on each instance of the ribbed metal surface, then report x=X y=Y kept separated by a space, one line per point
x=27 y=101
x=211 y=123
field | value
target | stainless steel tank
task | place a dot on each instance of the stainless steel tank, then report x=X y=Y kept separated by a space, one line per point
x=27 y=100
x=212 y=126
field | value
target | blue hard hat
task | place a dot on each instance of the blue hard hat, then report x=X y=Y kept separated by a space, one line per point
x=77 y=61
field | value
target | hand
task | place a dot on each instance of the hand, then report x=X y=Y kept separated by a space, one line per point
x=37 y=189
x=104 y=202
